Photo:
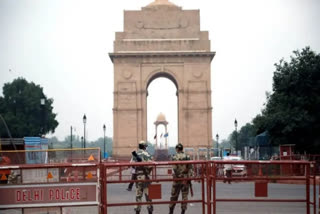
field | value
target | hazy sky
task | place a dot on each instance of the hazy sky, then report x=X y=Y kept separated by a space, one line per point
x=63 y=45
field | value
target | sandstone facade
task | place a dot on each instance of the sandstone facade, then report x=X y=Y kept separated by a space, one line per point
x=161 y=40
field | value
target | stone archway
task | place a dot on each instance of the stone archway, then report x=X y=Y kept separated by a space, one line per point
x=161 y=120
x=161 y=40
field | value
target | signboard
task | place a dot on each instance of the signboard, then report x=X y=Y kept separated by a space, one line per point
x=36 y=144
x=44 y=195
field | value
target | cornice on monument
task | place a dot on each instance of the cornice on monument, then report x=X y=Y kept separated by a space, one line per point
x=162 y=54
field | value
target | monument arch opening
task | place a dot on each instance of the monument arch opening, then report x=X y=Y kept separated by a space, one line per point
x=161 y=40
x=158 y=74
x=162 y=99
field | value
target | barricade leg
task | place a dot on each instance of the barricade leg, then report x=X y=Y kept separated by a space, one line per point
x=314 y=190
x=103 y=190
x=203 y=189
x=308 y=188
x=208 y=176
x=214 y=182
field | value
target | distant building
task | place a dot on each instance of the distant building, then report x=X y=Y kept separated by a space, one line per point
x=8 y=144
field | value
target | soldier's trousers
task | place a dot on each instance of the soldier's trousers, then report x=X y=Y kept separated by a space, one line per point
x=178 y=186
x=228 y=175
x=142 y=187
x=133 y=177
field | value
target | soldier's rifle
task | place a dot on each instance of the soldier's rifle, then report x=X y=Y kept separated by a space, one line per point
x=134 y=154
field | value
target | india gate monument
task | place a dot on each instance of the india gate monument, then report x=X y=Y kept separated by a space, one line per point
x=161 y=40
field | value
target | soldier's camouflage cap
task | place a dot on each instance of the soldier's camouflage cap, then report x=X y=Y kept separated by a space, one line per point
x=179 y=146
x=143 y=143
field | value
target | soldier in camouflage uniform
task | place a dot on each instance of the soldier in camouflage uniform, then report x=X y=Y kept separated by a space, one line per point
x=180 y=171
x=142 y=173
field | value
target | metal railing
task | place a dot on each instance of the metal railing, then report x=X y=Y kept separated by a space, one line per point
x=161 y=173
x=86 y=177
x=262 y=173
x=51 y=187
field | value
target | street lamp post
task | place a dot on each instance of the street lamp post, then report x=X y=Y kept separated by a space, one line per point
x=236 y=126
x=84 y=130
x=71 y=137
x=82 y=141
x=42 y=103
x=217 y=138
x=104 y=140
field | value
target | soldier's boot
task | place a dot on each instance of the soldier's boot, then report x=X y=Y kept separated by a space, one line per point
x=183 y=211
x=171 y=210
x=137 y=212
x=150 y=210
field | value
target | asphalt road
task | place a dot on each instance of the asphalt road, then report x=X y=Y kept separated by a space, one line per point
x=117 y=193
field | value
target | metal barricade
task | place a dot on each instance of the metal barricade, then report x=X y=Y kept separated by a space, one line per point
x=75 y=181
x=70 y=187
x=265 y=179
x=316 y=159
x=116 y=177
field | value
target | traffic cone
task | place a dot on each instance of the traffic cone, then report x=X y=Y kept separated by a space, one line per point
x=89 y=176
x=49 y=175
x=3 y=177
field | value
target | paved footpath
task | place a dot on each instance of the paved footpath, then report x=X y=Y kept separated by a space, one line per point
x=118 y=193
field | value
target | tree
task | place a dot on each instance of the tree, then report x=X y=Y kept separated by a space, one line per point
x=259 y=124
x=227 y=143
x=100 y=143
x=54 y=143
x=292 y=112
x=244 y=136
x=21 y=108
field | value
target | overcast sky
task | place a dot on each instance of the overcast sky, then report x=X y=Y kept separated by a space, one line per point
x=63 y=45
